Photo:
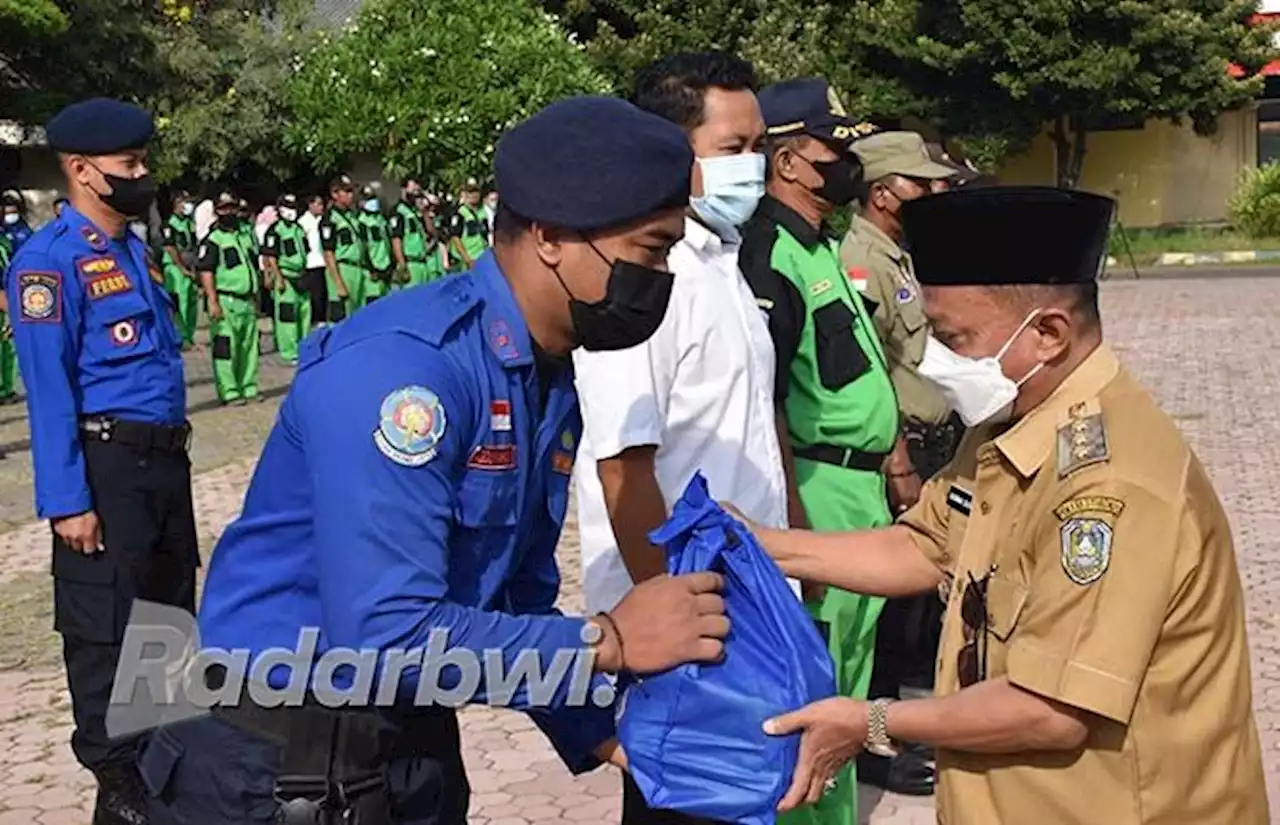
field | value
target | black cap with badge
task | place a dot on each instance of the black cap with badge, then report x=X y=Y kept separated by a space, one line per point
x=1007 y=235
x=810 y=106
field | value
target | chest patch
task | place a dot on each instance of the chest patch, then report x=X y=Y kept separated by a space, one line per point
x=96 y=240
x=124 y=333
x=41 y=296
x=99 y=265
x=113 y=283
x=493 y=457
x=1086 y=549
x=960 y=500
x=500 y=416
x=500 y=341
x=904 y=295
x=410 y=427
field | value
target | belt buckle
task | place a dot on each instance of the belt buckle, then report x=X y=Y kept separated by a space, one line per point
x=847 y=459
x=187 y=433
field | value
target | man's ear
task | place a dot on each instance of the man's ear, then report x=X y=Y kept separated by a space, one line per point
x=549 y=243
x=1055 y=327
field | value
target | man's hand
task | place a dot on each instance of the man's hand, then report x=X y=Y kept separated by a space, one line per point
x=82 y=533
x=215 y=310
x=612 y=753
x=904 y=491
x=832 y=732
x=342 y=290
x=664 y=622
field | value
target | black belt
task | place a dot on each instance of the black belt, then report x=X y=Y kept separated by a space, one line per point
x=847 y=457
x=247 y=296
x=165 y=438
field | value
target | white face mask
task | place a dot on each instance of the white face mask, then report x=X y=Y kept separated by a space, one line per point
x=732 y=187
x=288 y=214
x=188 y=209
x=10 y=218
x=976 y=388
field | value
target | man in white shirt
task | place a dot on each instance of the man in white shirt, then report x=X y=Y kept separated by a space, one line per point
x=314 y=281
x=698 y=395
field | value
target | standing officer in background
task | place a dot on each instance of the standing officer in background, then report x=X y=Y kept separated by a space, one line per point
x=1094 y=663
x=897 y=169
x=409 y=241
x=833 y=385
x=101 y=359
x=468 y=230
x=343 y=251
x=429 y=494
x=284 y=257
x=179 y=264
x=15 y=228
x=231 y=290
x=375 y=237
x=8 y=355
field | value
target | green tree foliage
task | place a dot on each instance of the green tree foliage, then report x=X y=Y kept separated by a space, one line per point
x=221 y=111
x=1255 y=205
x=430 y=86
x=29 y=19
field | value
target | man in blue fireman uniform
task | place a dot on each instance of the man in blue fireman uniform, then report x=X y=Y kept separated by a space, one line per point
x=417 y=480
x=101 y=363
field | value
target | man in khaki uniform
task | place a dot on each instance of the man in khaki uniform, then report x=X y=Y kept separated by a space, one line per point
x=897 y=169
x=1094 y=665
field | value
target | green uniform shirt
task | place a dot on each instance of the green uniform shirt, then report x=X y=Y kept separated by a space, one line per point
x=286 y=241
x=469 y=225
x=180 y=233
x=340 y=234
x=227 y=256
x=871 y=257
x=376 y=238
x=832 y=379
x=406 y=224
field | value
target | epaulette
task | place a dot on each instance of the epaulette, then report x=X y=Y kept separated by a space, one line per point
x=1082 y=439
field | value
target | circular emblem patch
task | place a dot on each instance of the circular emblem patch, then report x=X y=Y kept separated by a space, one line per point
x=566 y=440
x=37 y=301
x=904 y=295
x=1086 y=549
x=411 y=425
x=124 y=333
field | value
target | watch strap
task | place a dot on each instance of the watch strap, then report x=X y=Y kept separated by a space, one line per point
x=878 y=740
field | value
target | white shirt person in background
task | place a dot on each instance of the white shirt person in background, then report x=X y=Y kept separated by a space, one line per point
x=698 y=395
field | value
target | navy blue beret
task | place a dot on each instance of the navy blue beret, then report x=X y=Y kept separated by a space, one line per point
x=1007 y=235
x=99 y=127
x=809 y=106
x=588 y=163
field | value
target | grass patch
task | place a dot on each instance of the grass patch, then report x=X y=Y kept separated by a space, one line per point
x=27 y=640
x=1149 y=244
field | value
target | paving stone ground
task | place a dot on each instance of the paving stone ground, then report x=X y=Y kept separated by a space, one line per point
x=1206 y=349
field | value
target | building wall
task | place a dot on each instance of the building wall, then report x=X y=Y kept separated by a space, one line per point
x=40 y=181
x=1161 y=174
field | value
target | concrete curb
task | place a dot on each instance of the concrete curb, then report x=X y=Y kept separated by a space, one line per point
x=1207 y=258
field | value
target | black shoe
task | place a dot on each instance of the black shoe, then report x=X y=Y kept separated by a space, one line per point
x=120 y=799
x=910 y=773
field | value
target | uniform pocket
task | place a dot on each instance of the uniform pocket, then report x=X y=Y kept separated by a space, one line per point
x=85 y=603
x=119 y=328
x=288 y=313
x=487 y=499
x=1005 y=602
x=841 y=360
x=558 y=497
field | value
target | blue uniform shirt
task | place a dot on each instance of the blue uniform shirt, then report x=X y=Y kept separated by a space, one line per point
x=413 y=481
x=18 y=234
x=95 y=336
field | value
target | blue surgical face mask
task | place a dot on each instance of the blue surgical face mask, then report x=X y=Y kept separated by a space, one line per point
x=732 y=187
x=371 y=205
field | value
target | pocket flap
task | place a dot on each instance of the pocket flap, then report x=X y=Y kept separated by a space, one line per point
x=834 y=319
x=1005 y=602
x=489 y=499
x=158 y=761
x=113 y=310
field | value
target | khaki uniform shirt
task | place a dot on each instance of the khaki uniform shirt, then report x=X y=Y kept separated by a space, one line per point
x=1112 y=588
x=868 y=254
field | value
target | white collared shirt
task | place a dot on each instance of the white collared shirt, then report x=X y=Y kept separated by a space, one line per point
x=700 y=390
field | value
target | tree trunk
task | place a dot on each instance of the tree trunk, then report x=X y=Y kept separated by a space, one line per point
x=1069 y=150
x=1078 y=148
x=1061 y=149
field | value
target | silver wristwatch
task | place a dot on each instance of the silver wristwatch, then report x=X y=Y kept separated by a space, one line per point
x=878 y=741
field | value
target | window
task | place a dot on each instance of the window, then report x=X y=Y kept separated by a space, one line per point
x=1268 y=132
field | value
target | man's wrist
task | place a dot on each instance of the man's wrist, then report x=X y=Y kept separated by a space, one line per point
x=608 y=644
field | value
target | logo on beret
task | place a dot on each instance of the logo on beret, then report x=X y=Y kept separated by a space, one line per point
x=94 y=238
x=833 y=99
x=41 y=296
x=411 y=424
x=124 y=333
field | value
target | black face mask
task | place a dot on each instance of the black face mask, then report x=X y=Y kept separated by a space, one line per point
x=839 y=179
x=229 y=221
x=131 y=197
x=635 y=302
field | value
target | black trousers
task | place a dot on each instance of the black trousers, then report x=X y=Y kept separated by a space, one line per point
x=143 y=501
x=635 y=811
x=314 y=285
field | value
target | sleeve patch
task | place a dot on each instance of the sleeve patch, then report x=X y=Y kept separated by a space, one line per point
x=41 y=296
x=1098 y=505
x=410 y=427
x=1086 y=549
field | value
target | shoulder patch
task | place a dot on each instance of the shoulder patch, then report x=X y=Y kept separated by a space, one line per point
x=1098 y=505
x=410 y=427
x=1081 y=441
x=41 y=296
x=858 y=276
x=96 y=240
x=1086 y=549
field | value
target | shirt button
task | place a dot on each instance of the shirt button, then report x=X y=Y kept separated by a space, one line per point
x=944 y=557
x=985 y=508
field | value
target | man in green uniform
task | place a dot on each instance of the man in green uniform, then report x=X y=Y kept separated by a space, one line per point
x=896 y=169
x=231 y=289
x=343 y=250
x=284 y=256
x=409 y=239
x=8 y=354
x=468 y=230
x=375 y=237
x=179 y=258
x=832 y=383
x=433 y=220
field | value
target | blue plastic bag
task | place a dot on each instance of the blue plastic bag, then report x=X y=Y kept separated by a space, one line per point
x=693 y=735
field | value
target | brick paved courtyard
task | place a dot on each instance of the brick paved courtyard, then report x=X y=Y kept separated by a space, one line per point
x=1207 y=350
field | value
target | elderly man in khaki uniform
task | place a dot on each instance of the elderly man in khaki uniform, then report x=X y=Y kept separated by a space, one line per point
x=898 y=168
x=1094 y=665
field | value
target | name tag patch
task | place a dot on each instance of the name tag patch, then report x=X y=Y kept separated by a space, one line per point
x=41 y=296
x=960 y=500
x=110 y=284
x=99 y=265
x=493 y=457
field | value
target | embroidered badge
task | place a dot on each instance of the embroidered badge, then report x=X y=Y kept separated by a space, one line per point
x=493 y=457
x=500 y=416
x=97 y=242
x=960 y=500
x=41 y=296
x=124 y=333
x=1089 y=504
x=500 y=341
x=411 y=424
x=567 y=440
x=1081 y=441
x=904 y=295
x=98 y=265
x=1086 y=549
x=820 y=287
x=111 y=284
x=858 y=277
x=765 y=304
x=562 y=462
